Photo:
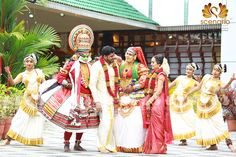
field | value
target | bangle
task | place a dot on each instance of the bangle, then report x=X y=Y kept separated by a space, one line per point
x=136 y=87
x=65 y=83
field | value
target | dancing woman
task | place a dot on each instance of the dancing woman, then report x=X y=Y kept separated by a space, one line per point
x=210 y=127
x=182 y=114
x=27 y=124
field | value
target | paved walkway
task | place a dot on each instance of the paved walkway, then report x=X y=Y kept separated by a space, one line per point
x=53 y=147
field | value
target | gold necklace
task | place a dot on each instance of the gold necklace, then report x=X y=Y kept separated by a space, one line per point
x=84 y=74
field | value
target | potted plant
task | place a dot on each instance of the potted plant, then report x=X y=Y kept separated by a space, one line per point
x=9 y=102
x=2 y=121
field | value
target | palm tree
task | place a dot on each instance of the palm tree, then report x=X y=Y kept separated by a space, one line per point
x=16 y=42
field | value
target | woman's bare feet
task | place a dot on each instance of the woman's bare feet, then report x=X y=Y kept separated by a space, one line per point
x=231 y=147
x=103 y=150
x=183 y=142
x=213 y=147
x=5 y=142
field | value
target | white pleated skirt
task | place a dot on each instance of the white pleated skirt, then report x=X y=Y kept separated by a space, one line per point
x=212 y=130
x=27 y=129
x=183 y=124
x=129 y=131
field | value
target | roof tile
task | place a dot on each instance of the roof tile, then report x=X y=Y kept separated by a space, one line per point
x=119 y=8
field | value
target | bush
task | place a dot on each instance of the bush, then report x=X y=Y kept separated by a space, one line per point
x=9 y=100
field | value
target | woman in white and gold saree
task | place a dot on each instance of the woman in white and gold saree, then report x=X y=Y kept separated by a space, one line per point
x=129 y=131
x=27 y=124
x=210 y=127
x=182 y=114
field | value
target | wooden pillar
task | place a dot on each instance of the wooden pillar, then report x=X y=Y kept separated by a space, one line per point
x=202 y=58
x=189 y=53
x=95 y=44
x=165 y=50
x=154 y=38
x=178 y=57
x=213 y=52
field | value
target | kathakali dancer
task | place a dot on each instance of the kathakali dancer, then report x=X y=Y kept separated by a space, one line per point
x=129 y=131
x=68 y=102
x=182 y=113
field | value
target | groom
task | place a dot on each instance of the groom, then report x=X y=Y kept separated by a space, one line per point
x=104 y=87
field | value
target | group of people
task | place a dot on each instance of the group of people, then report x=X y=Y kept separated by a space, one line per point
x=133 y=110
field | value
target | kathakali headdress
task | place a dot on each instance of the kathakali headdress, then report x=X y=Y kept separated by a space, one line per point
x=81 y=38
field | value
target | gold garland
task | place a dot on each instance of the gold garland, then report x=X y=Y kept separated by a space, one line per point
x=129 y=107
x=114 y=93
x=151 y=80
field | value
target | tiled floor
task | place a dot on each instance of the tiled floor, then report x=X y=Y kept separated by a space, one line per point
x=53 y=147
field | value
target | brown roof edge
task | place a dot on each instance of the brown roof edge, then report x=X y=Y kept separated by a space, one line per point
x=189 y=27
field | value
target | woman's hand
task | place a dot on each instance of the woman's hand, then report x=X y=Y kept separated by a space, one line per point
x=129 y=89
x=148 y=105
x=185 y=99
x=233 y=77
x=98 y=106
x=7 y=69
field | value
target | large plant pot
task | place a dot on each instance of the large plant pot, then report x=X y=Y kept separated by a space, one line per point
x=2 y=125
x=231 y=124
x=6 y=126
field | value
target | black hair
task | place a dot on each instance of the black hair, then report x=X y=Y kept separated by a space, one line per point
x=195 y=64
x=159 y=58
x=223 y=67
x=106 y=50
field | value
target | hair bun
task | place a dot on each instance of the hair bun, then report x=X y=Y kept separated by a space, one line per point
x=225 y=68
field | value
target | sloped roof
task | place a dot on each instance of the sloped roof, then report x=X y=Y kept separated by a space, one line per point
x=190 y=27
x=118 y=8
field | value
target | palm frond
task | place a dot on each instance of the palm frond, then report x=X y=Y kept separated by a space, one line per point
x=20 y=27
x=46 y=32
x=11 y=9
x=48 y=65
x=16 y=42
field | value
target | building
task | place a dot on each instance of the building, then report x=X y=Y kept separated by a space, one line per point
x=118 y=24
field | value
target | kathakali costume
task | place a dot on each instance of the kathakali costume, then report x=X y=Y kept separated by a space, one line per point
x=72 y=108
